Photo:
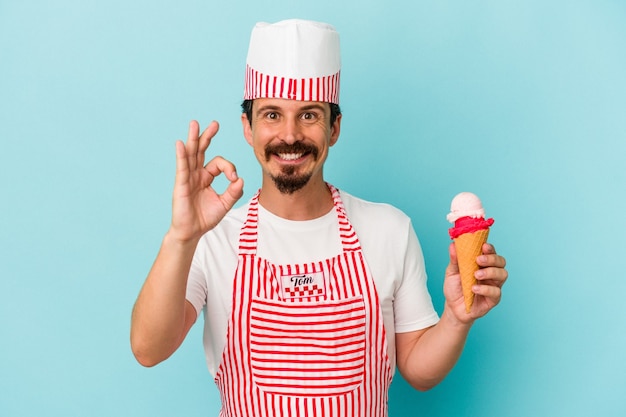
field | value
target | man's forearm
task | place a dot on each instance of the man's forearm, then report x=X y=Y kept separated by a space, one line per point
x=435 y=353
x=158 y=319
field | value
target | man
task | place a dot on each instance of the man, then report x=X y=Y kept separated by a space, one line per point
x=311 y=297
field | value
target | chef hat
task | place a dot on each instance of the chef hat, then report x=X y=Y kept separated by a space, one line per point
x=293 y=59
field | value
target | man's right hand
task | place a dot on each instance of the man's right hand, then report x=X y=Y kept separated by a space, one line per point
x=197 y=207
x=162 y=317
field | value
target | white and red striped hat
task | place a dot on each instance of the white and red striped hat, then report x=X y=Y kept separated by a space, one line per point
x=293 y=59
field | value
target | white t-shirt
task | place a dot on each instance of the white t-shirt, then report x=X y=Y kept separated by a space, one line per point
x=390 y=248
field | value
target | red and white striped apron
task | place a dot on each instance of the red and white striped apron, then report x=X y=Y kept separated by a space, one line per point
x=304 y=340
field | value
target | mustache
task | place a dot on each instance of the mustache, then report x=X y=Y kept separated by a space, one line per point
x=297 y=147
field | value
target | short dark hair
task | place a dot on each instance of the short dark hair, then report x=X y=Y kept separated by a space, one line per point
x=246 y=107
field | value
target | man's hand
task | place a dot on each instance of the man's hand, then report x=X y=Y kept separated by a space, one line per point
x=426 y=356
x=162 y=317
x=488 y=290
x=196 y=206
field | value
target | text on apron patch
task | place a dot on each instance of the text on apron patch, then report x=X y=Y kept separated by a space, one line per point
x=302 y=285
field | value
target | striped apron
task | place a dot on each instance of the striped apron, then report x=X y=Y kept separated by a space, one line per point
x=304 y=340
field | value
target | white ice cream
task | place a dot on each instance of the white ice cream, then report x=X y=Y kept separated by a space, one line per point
x=465 y=204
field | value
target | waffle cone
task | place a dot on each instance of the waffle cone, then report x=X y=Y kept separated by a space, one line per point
x=468 y=247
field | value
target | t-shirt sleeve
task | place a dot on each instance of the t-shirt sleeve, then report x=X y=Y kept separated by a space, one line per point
x=413 y=307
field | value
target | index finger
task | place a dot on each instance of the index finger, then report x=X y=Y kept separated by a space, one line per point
x=219 y=165
x=488 y=248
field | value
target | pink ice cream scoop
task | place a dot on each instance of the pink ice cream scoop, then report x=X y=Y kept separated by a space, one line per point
x=467 y=214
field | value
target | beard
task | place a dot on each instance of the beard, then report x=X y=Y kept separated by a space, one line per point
x=289 y=183
x=289 y=180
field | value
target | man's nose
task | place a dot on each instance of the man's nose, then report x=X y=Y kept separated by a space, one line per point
x=291 y=131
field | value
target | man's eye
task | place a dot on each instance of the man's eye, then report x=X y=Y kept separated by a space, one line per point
x=309 y=116
x=271 y=115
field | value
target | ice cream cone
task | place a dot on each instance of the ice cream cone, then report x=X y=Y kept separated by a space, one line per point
x=468 y=247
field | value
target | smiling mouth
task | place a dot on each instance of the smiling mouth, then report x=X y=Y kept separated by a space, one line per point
x=292 y=152
x=291 y=156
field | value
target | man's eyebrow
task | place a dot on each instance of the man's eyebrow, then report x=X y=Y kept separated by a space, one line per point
x=272 y=107
x=267 y=107
x=314 y=106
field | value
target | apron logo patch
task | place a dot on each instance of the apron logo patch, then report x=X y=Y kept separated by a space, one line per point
x=303 y=285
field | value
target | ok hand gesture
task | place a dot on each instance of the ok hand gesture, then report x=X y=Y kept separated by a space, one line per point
x=196 y=206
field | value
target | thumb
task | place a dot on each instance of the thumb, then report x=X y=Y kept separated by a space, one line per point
x=233 y=193
x=453 y=267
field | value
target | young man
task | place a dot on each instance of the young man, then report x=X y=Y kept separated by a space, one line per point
x=311 y=297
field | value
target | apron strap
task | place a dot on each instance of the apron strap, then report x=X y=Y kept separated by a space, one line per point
x=249 y=230
x=349 y=240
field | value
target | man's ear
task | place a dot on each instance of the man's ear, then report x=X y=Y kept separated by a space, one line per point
x=247 y=128
x=335 y=129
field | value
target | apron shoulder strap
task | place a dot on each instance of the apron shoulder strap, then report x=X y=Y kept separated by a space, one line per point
x=349 y=240
x=249 y=230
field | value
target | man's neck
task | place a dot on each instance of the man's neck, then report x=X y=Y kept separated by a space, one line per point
x=310 y=202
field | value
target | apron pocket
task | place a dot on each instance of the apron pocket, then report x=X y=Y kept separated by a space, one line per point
x=307 y=349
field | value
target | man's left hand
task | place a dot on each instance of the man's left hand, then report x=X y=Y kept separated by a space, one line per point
x=488 y=289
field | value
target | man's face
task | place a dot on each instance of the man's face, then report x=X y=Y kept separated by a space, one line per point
x=291 y=140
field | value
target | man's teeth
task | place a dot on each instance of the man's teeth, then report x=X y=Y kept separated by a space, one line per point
x=289 y=156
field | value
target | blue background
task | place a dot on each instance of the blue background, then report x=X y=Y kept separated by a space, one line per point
x=521 y=102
